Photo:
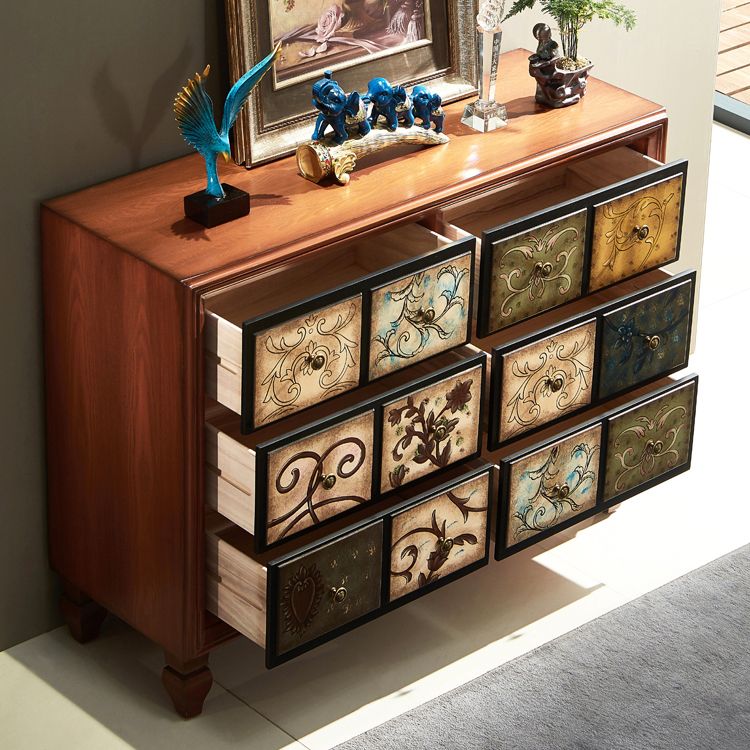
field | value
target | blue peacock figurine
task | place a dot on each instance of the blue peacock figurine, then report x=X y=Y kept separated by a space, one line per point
x=194 y=112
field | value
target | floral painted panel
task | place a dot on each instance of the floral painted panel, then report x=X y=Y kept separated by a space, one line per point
x=642 y=340
x=636 y=232
x=546 y=380
x=649 y=440
x=319 y=477
x=420 y=315
x=329 y=587
x=431 y=428
x=439 y=536
x=537 y=270
x=552 y=485
x=307 y=360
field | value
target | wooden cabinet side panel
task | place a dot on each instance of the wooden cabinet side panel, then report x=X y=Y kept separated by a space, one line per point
x=116 y=369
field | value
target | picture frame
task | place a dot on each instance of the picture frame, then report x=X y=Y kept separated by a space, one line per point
x=279 y=114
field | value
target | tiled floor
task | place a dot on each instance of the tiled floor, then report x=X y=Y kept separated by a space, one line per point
x=57 y=694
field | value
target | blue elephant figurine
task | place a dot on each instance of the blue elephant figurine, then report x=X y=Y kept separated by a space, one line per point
x=390 y=102
x=337 y=110
x=427 y=106
x=404 y=108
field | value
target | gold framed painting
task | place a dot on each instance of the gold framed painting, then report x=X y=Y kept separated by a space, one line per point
x=406 y=41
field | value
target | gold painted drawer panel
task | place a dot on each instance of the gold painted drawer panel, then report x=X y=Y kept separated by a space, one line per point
x=636 y=232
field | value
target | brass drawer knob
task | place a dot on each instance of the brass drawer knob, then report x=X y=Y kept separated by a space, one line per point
x=543 y=269
x=440 y=432
x=329 y=481
x=556 y=384
x=654 y=447
x=339 y=594
x=561 y=491
x=446 y=545
x=642 y=232
x=653 y=342
x=317 y=362
x=426 y=316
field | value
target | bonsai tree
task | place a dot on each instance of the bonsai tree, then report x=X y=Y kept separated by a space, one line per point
x=573 y=15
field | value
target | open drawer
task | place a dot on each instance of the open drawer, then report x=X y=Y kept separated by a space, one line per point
x=617 y=452
x=293 y=602
x=295 y=476
x=550 y=238
x=346 y=316
x=618 y=341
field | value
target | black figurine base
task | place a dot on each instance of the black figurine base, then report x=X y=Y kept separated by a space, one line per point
x=210 y=211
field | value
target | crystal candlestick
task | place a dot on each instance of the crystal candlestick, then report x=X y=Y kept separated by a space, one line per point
x=486 y=114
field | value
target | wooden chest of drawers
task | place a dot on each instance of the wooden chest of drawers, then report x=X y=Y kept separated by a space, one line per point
x=288 y=425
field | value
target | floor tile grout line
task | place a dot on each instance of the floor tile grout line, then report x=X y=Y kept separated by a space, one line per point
x=261 y=714
x=705 y=305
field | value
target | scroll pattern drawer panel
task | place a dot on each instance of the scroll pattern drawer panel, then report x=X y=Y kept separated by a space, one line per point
x=283 y=486
x=419 y=315
x=559 y=482
x=559 y=371
x=304 y=360
x=307 y=596
x=636 y=232
x=273 y=365
x=539 y=261
x=643 y=339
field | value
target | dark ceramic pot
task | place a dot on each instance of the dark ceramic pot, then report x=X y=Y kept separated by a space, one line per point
x=556 y=87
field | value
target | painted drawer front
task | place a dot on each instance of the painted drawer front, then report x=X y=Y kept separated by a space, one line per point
x=438 y=537
x=567 y=478
x=420 y=315
x=305 y=360
x=636 y=232
x=431 y=427
x=552 y=485
x=533 y=271
x=543 y=381
x=319 y=477
x=322 y=590
x=310 y=595
x=644 y=339
x=649 y=440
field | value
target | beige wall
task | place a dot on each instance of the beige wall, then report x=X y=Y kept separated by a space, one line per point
x=87 y=90
x=670 y=58
x=86 y=96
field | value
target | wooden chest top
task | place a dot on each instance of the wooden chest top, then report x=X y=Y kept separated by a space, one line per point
x=142 y=212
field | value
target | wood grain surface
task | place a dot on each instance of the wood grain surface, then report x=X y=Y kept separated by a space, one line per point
x=119 y=438
x=142 y=212
x=123 y=271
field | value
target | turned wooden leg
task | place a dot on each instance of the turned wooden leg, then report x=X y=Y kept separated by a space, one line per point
x=187 y=683
x=83 y=615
